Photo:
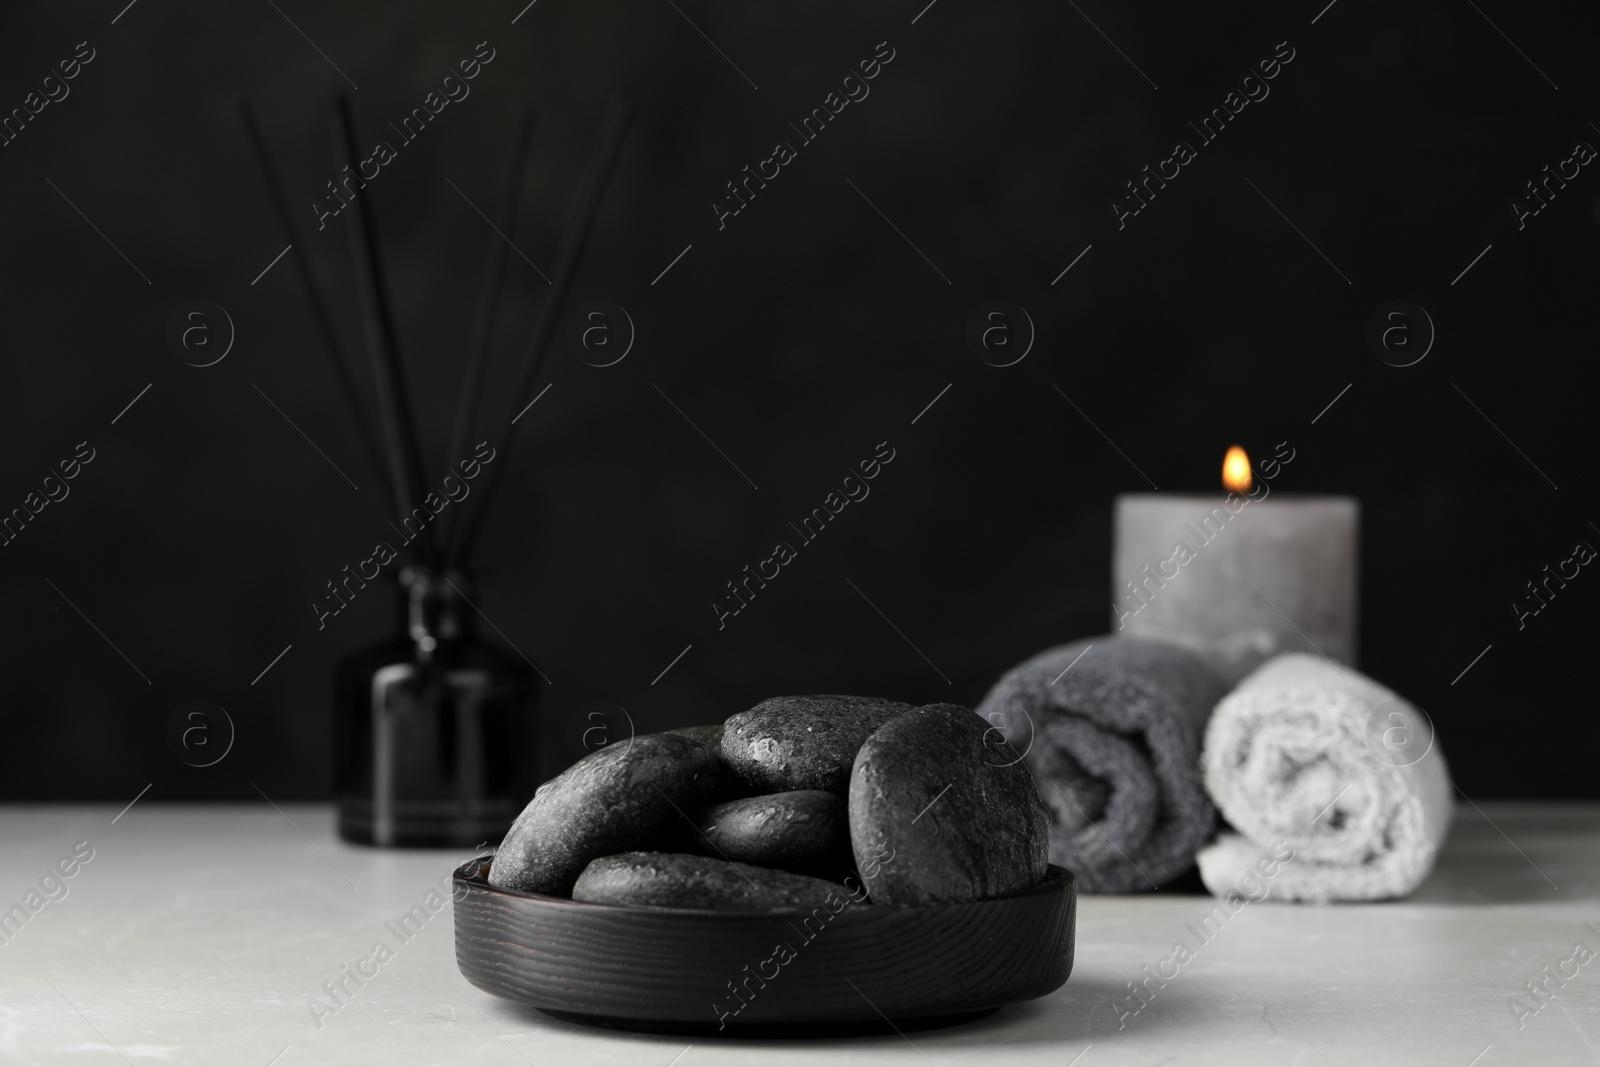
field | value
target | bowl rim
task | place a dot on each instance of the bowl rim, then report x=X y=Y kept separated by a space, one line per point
x=1057 y=879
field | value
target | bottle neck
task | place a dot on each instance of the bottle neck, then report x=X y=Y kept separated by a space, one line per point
x=435 y=611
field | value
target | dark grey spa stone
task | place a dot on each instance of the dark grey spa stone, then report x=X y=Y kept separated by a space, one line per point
x=706 y=735
x=942 y=808
x=801 y=830
x=678 y=880
x=807 y=742
x=626 y=795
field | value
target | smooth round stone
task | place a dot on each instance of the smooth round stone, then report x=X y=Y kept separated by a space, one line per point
x=808 y=742
x=942 y=808
x=711 y=736
x=624 y=796
x=679 y=880
x=800 y=830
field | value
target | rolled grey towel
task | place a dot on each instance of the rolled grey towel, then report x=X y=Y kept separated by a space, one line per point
x=1111 y=728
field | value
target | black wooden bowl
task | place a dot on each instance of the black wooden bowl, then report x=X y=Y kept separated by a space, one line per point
x=868 y=967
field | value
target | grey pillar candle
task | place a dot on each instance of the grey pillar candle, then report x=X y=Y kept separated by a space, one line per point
x=1236 y=576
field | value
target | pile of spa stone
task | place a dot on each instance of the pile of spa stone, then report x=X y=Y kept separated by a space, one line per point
x=781 y=805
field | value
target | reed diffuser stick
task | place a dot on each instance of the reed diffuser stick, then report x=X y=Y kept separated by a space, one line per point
x=601 y=162
x=488 y=301
x=337 y=357
x=394 y=401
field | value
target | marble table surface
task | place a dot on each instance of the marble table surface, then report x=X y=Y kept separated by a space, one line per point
x=199 y=934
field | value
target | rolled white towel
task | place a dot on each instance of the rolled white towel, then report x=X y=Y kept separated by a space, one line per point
x=1301 y=754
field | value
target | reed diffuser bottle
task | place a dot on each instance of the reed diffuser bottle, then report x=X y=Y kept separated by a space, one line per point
x=434 y=732
x=433 y=743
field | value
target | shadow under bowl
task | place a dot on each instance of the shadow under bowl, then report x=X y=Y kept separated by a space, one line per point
x=782 y=972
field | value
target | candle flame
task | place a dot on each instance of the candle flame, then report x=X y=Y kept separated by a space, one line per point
x=1236 y=471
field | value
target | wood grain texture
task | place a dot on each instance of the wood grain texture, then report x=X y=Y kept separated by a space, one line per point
x=679 y=969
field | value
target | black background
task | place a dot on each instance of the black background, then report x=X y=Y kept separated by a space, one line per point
x=797 y=338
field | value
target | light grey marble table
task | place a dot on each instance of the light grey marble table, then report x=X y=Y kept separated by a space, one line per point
x=199 y=935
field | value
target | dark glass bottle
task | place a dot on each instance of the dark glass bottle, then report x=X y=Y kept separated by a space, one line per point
x=434 y=734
